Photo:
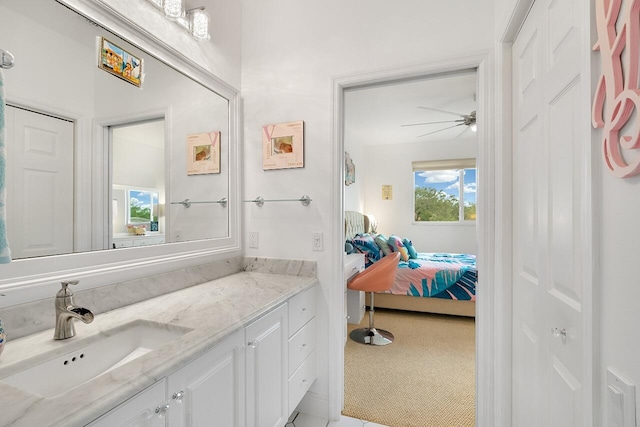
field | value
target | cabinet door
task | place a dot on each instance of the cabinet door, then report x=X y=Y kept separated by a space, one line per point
x=267 y=370
x=139 y=411
x=210 y=390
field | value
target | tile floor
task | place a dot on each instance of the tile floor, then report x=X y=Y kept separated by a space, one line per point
x=298 y=419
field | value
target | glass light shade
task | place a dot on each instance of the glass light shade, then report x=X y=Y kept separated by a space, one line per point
x=474 y=127
x=173 y=9
x=199 y=24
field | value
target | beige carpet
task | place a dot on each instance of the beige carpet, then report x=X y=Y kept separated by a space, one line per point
x=425 y=378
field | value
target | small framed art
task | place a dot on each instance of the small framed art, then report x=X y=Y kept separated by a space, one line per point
x=117 y=61
x=203 y=153
x=349 y=170
x=283 y=145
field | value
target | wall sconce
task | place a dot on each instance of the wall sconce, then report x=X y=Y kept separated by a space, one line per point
x=195 y=21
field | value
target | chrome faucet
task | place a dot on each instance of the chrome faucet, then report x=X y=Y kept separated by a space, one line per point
x=66 y=312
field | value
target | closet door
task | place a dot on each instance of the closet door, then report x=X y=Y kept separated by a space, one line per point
x=552 y=247
x=39 y=184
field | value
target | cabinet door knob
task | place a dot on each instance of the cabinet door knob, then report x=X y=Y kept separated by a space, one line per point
x=252 y=344
x=178 y=396
x=161 y=410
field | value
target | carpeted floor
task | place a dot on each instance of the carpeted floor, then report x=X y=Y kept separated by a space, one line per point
x=425 y=378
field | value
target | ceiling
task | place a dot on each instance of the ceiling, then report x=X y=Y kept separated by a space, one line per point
x=374 y=114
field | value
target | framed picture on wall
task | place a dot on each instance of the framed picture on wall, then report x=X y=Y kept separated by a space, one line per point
x=283 y=145
x=117 y=61
x=349 y=170
x=203 y=153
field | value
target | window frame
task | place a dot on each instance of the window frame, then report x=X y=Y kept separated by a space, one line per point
x=445 y=164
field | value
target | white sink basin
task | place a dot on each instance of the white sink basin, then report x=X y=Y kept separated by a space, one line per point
x=98 y=356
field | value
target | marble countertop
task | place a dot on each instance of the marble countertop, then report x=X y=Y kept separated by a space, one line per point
x=213 y=310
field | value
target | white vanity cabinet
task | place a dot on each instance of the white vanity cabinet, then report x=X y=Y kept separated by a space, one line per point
x=301 y=345
x=210 y=390
x=139 y=411
x=255 y=378
x=267 y=364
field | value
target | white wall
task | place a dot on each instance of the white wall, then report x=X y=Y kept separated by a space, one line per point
x=291 y=51
x=616 y=287
x=391 y=165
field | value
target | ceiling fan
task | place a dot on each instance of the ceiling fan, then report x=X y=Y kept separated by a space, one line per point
x=468 y=120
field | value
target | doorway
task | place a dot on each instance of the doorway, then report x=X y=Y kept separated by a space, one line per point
x=138 y=183
x=485 y=317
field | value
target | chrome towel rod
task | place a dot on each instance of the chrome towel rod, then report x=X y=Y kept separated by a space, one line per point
x=6 y=59
x=259 y=201
x=187 y=203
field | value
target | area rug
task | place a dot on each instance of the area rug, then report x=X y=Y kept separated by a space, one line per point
x=425 y=378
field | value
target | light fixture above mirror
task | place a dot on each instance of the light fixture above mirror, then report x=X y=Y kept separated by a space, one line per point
x=195 y=21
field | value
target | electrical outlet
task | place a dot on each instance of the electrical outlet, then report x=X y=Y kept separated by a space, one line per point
x=253 y=239
x=621 y=400
x=317 y=241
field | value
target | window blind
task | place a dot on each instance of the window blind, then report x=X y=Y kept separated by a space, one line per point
x=429 y=165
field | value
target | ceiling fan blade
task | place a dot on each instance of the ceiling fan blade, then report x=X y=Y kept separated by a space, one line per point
x=431 y=123
x=442 y=111
x=439 y=130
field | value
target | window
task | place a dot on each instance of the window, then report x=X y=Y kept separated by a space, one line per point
x=142 y=206
x=444 y=190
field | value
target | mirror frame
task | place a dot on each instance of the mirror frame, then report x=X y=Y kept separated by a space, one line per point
x=37 y=278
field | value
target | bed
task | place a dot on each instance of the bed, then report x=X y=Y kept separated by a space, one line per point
x=443 y=283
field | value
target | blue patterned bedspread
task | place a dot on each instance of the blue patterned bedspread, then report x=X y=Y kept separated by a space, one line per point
x=438 y=275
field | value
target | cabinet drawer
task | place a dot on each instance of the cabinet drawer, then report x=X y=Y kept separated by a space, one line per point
x=302 y=308
x=301 y=380
x=301 y=345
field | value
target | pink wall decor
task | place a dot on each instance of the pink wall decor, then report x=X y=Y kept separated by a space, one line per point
x=617 y=96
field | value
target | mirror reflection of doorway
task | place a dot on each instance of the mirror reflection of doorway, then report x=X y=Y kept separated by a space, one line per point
x=137 y=184
x=40 y=188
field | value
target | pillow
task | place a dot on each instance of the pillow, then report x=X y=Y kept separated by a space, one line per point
x=348 y=247
x=366 y=245
x=381 y=241
x=409 y=245
x=396 y=244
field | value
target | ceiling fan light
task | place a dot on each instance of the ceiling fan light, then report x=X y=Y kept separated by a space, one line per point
x=474 y=127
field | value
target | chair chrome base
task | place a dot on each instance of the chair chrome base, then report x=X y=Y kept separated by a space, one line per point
x=371 y=336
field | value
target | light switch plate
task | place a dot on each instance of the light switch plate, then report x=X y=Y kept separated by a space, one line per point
x=621 y=400
x=317 y=241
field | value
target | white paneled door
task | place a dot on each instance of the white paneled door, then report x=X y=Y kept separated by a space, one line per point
x=551 y=267
x=39 y=184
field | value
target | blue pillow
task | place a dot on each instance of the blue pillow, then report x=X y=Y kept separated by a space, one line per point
x=365 y=244
x=409 y=245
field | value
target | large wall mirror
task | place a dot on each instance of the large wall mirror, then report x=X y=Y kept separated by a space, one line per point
x=100 y=163
x=56 y=83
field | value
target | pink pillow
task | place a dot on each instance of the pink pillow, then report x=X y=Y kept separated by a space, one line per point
x=396 y=245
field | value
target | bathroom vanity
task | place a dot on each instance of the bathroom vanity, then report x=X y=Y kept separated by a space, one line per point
x=239 y=350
